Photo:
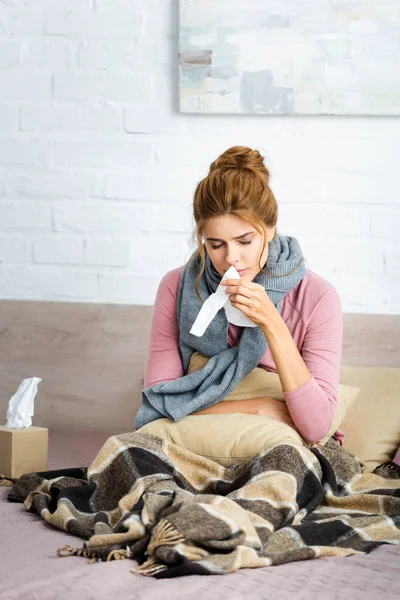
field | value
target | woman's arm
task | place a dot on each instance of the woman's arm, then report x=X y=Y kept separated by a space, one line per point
x=310 y=380
x=291 y=368
x=163 y=361
x=309 y=375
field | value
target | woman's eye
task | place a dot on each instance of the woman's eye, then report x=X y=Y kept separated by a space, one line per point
x=220 y=246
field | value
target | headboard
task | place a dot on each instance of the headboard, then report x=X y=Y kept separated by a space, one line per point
x=91 y=358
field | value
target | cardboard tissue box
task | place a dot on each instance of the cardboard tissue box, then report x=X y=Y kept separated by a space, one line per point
x=23 y=450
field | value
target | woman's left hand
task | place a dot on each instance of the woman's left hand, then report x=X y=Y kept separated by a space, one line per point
x=252 y=299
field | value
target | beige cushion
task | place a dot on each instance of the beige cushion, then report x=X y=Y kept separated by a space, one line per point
x=229 y=438
x=372 y=425
x=226 y=439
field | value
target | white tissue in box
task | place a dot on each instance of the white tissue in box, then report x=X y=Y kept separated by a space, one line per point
x=21 y=405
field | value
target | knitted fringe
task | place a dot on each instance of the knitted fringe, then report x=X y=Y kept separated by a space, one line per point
x=163 y=534
x=118 y=554
x=5 y=481
x=149 y=568
x=69 y=551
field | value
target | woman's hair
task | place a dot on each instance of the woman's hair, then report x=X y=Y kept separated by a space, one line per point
x=237 y=184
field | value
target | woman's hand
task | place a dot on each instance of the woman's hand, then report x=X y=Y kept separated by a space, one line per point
x=252 y=299
x=265 y=406
x=274 y=409
x=229 y=406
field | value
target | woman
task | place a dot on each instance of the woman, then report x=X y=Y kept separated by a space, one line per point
x=298 y=314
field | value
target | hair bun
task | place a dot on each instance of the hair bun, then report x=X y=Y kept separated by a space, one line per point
x=241 y=157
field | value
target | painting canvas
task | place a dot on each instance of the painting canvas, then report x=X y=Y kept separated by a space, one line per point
x=339 y=57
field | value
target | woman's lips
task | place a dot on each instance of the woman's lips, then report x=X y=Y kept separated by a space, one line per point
x=240 y=271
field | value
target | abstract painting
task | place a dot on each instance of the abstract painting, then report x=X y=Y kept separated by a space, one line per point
x=290 y=57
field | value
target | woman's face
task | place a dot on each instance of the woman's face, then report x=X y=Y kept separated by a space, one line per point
x=230 y=241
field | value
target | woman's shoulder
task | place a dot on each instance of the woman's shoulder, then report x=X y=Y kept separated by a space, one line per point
x=169 y=283
x=314 y=292
x=317 y=285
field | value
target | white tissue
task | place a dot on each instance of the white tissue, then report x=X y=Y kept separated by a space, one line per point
x=214 y=303
x=21 y=405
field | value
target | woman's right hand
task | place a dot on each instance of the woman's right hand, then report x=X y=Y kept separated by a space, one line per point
x=274 y=409
x=265 y=406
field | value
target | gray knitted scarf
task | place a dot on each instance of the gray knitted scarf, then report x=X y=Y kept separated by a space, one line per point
x=227 y=365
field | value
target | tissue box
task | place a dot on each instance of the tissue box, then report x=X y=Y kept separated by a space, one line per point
x=23 y=450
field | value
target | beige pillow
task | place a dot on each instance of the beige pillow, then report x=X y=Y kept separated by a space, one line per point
x=226 y=439
x=372 y=425
x=230 y=438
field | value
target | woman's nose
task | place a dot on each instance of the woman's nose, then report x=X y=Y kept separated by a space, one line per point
x=232 y=256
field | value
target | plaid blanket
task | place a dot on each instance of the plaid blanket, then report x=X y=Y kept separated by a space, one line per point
x=178 y=513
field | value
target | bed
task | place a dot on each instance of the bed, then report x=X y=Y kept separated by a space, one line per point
x=93 y=355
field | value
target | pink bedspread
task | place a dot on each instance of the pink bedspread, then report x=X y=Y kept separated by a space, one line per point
x=30 y=569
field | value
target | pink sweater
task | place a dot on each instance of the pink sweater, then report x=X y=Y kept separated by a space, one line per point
x=312 y=313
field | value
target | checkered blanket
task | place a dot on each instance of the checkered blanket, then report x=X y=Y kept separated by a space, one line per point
x=177 y=513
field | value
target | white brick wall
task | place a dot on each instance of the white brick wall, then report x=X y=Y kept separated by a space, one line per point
x=98 y=169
